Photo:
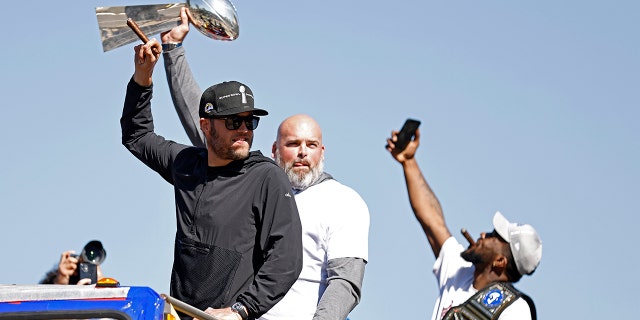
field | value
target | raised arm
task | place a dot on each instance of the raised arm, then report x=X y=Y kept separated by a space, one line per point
x=136 y=120
x=184 y=89
x=424 y=202
x=137 y=125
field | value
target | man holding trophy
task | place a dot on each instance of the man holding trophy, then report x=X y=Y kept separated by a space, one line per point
x=335 y=237
x=336 y=219
x=238 y=245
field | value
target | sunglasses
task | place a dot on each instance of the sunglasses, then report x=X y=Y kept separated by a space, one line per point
x=234 y=122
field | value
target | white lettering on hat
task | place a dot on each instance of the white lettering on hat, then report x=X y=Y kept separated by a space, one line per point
x=244 y=96
x=228 y=96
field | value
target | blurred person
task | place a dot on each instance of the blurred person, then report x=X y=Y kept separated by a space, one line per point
x=335 y=219
x=477 y=280
x=66 y=272
x=238 y=243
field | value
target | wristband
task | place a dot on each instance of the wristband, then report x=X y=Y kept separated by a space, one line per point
x=170 y=46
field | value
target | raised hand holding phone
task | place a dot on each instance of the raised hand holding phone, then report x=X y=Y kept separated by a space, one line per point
x=406 y=134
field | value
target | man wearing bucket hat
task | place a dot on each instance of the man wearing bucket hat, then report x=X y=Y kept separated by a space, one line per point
x=238 y=245
x=476 y=282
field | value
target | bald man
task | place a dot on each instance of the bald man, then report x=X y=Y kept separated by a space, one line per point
x=335 y=219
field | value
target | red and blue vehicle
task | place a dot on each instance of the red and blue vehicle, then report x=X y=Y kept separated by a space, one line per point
x=105 y=300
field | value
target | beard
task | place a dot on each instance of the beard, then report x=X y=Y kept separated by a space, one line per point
x=226 y=151
x=300 y=179
x=472 y=256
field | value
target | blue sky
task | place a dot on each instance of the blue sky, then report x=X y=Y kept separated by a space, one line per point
x=527 y=108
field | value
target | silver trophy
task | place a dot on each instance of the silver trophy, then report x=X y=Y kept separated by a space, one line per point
x=216 y=19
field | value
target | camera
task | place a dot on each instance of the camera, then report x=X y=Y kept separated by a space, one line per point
x=92 y=255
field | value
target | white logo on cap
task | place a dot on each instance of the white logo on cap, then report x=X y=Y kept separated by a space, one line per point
x=244 y=96
x=208 y=108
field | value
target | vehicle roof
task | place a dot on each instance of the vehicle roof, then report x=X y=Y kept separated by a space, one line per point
x=9 y=293
x=141 y=303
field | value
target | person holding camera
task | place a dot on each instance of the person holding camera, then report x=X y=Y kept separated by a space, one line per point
x=81 y=270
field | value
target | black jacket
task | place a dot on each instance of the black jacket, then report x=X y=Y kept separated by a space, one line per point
x=239 y=233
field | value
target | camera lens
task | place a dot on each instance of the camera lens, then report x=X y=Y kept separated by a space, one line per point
x=93 y=255
x=93 y=252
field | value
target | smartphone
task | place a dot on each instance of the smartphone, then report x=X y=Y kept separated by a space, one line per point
x=406 y=134
x=88 y=270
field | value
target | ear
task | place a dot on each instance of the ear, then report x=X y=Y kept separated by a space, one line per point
x=500 y=262
x=273 y=150
x=205 y=125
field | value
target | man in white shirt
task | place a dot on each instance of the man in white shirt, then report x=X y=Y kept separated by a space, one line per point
x=335 y=223
x=486 y=269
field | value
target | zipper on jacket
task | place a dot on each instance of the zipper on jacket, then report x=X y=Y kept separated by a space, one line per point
x=192 y=228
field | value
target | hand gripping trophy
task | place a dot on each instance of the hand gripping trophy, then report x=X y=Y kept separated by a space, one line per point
x=216 y=19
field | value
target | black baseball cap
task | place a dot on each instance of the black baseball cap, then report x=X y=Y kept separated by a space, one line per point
x=227 y=98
